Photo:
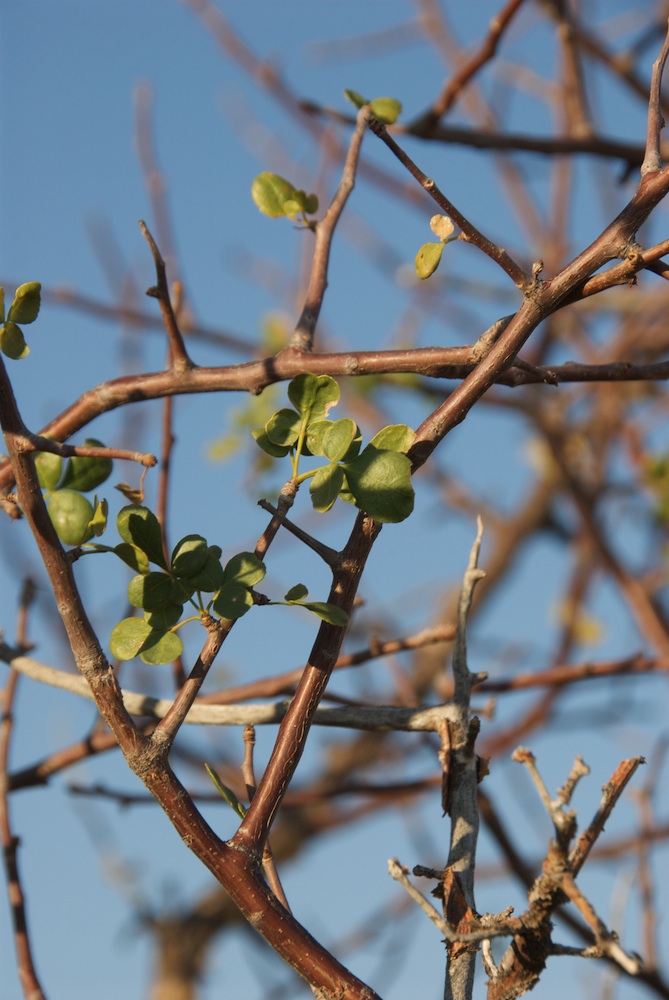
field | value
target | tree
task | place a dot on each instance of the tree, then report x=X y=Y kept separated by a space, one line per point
x=558 y=316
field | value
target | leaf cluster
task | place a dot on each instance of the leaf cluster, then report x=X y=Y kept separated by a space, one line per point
x=376 y=479
x=276 y=197
x=193 y=571
x=24 y=309
x=74 y=517
x=193 y=576
x=428 y=257
x=386 y=109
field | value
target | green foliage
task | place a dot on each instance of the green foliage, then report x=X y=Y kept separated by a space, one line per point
x=24 y=309
x=377 y=479
x=226 y=792
x=74 y=517
x=194 y=571
x=386 y=109
x=276 y=197
x=428 y=257
x=86 y=474
x=49 y=468
x=193 y=576
x=322 y=609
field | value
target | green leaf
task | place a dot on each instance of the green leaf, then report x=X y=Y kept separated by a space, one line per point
x=311 y=204
x=150 y=591
x=395 y=437
x=25 y=307
x=12 y=342
x=165 y=617
x=313 y=395
x=283 y=427
x=226 y=792
x=275 y=450
x=71 y=515
x=324 y=487
x=161 y=647
x=380 y=481
x=270 y=192
x=182 y=590
x=2 y=305
x=338 y=439
x=133 y=557
x=86 y=474
x=328 y=612
x=134 y=637
x=232 y=601
x=48 y=467
x=427 y=259
x=128 y=637
x=245 y=568
x=386 y=109
x=189 y=555
x=316 y=432
x=139 y=526
x=98 y=523
x=292 y=208
x=296 y=593
x=210 y=577
x=355 y=98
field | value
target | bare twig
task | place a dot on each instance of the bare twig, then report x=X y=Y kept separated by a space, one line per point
x=469 y=232
x=458 y=879
x=248 y=775
x=378 y=718
x=303 y=337
x=180 y=359
x=652 y=160
x=27 y=972
x=425 y=122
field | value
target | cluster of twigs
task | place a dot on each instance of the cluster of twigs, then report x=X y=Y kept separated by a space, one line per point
x=145 y=729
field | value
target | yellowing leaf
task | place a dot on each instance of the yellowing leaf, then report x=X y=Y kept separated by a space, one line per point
x=441 y=226
x=386 y=109
x=427 y=259
x=271 y=192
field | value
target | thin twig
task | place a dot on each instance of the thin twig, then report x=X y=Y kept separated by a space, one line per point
x=38 y=443
x=181 y=361
x=458 y=881
x=377 y=718
x=330 y=556
x=425 y=122
x=652 y=160
x=303 y=336
x=26 y=970
x=469 y=232
x=612 y=791
x=248 y=774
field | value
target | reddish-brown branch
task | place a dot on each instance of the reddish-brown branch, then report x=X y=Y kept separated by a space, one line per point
x=652 y=161
x=36 y=443
x=303 y=337
x=180 y=358
x=611 y=793
x=291 y=740
x=562 y=675
x=424 y=123
x=27 y=972
x=469 y=232
x=238 y=872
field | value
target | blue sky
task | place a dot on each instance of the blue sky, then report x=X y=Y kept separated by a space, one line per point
x=71 y=193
